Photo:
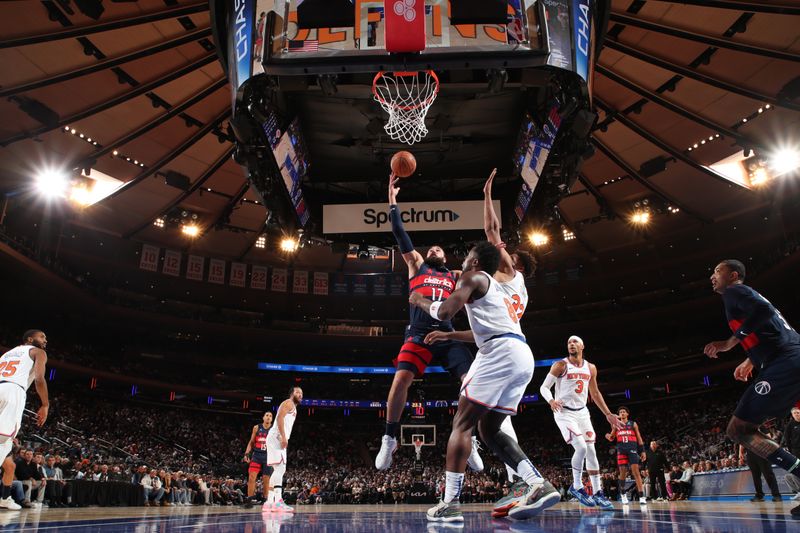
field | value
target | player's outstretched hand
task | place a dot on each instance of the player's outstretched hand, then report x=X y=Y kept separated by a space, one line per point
x=609 y=437
x=744 y=371
x=436 y=336
x=643 y=457
x=415 y=298
x=556 y=405
x=487 y=187
x=614 y=421
x=393 y=188
x=41 y=415
x=711 y=350
x=246 y=459
x=284 y=442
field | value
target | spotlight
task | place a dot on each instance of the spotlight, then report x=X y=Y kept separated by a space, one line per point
x=640 y=218
x=261 y=242
x=289 y=245
x=538 y=238
x=785 y=160
x=159 y=222
x=81 y=195
x=190 y=230
x=52 y=183
x=759 y=177
x=567 y=233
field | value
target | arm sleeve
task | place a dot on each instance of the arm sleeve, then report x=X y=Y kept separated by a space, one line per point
x=399 y=231
x=756 y=310
x=544 y=390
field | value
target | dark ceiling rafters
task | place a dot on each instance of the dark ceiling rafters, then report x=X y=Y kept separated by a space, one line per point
x=210 y=171
x=657 y=141
x=754 y=7
x=165 y=160
x=675 y=108
x=138 y=132
x=729 y=44
x=601 y=200
x=229 y=207
x=632 y=172
x=573 y=227
x=698 y=76
x=138 y=91
x=82 y=31
x=252 y=244
x=107 y=63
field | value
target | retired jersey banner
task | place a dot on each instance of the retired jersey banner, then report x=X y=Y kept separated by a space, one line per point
x=399 y=282
x=216 y=271
x=258 y=278
x=416 y=216
x=149 y=258
x=238 y=274
x=194 y=267
x=379 y=285
x=172 y=263
x=300 y=282
x=321 y=283
x=279 y=276
x=360 y=285
x=339 y=283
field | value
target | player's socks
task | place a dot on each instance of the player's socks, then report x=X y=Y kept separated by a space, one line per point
x=452 y=488
x=6 y=491
x=392 y=428
x=271 y=496
x=597 y=486
x=277 y=491
x=784 y=459
x=528 y=472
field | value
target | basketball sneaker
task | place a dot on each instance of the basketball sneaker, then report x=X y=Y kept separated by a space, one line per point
x=536 y=499
x=504 y=504
x=248 y=503
x=283 y=508
x=602 y=502
x=267 y=507
x=581 y=496
x=384 y=458
x=10 y=504
x=474 y=460
x=624 y=499
x=642 y=500
x=445 y=512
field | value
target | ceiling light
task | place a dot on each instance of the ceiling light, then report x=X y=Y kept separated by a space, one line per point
x=190 y=230
x=52 y=183
x=289 y=245
x=785 y=160
x=81 y=195
x=261 y=242
x=759 y=177
x=159 y=222
x=640 y=217
x=538 y=238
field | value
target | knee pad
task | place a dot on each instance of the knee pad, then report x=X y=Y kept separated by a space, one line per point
x=591 y=458
x=507 y=428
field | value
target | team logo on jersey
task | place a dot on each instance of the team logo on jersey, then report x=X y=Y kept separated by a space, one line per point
x=763 y=388
x=589 y=434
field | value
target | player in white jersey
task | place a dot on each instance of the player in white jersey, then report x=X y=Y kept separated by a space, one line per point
x=493 y=386
x=513 y=270
x=19 y=367
x=575 y=379
x=277 y=443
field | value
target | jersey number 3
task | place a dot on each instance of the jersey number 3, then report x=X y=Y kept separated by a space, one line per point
x=579 y=388
x=8 y=368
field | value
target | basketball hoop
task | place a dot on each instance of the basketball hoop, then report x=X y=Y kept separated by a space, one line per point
x=406 y=97
x=418 y=448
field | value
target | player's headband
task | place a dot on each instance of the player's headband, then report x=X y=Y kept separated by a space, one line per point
x=578 y=340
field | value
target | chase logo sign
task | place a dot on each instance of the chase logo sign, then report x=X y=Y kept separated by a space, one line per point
x=416 y=216
x=240 y=46
x=582 y=33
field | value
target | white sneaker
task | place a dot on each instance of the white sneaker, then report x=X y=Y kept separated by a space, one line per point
x=624 y=499
x=10 y=504
x=796 y=496
x=267 y=507
x=384 y=459
x=474 y=460
x=280 y=506
x=642 y=501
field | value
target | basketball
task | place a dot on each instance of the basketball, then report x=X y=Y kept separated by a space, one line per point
x=403 y=164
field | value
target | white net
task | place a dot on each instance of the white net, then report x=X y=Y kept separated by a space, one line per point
x=418 y=449
x=406 y=97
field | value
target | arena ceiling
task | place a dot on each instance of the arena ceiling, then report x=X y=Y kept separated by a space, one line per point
x=142 y=81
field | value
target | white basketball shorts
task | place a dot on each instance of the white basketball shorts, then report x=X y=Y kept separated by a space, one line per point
x=499 y=375
x=12 y=405
x=572 y=423
x=275 y=454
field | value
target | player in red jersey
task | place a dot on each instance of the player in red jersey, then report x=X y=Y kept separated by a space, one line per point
x=429 y=277
x=630 y=448
x=258 y=461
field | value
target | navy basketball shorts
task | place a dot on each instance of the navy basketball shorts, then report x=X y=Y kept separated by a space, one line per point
x=258 y=464
x=773 y=391
x=416 y=356
x=627 y=456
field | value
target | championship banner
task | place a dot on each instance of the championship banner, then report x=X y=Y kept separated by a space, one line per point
x=379 y=285
x=238 y=275
x=149 y=258
x=216 y=271
x=279 y=276
x=582 y=28
x=339 y=283
x=172 y=263
x=300 y=282
x=416 y=216
x=258 y=278
x=194 y=267
x=359 y=285
x=321 y=283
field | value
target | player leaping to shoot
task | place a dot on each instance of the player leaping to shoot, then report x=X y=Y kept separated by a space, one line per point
x=493 y=386
x=431 y=279
x=575 y=379
x=771 y=345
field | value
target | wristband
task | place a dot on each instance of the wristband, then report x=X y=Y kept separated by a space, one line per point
x=434 y=311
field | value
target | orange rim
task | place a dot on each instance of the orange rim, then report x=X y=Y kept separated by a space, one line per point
x=405 y=74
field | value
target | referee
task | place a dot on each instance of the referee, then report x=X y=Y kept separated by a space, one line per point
x=656 y=463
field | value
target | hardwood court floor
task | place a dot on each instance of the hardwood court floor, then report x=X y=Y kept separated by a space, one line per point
x=679 y=517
